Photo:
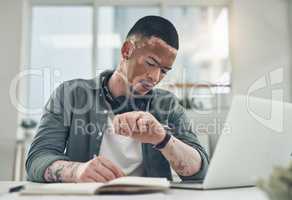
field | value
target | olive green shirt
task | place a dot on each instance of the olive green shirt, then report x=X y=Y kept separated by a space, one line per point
x=75 y=119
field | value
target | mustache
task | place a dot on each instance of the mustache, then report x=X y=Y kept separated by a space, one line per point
x=147 y=83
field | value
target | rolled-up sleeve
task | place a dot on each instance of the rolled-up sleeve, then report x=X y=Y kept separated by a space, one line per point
x=50 y=141
x=184 y=132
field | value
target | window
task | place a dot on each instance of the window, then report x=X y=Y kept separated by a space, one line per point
x=80 y=40
x=202 y=68
x=204 y=47
x=61 y=49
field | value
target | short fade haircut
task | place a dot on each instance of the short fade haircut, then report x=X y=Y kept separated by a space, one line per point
x=156 y=26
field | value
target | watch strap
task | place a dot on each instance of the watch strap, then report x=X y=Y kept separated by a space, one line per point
x=163 y=143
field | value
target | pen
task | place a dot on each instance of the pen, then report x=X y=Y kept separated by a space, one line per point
x=16 y=188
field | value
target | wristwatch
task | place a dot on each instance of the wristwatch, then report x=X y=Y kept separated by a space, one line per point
x=165 y=140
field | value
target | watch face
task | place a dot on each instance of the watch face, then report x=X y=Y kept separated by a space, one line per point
x=167 y=128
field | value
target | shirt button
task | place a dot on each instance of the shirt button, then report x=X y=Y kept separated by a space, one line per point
x=99 y=134
x=105 y=111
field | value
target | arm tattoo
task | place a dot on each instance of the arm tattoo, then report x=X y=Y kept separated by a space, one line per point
x=61 y=171
x=58 y=173
x=185 y=160
x=74 y=170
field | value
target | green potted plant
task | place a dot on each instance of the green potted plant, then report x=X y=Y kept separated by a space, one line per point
x=279 y=185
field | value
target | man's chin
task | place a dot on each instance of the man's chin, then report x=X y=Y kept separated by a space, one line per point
x=140 y=91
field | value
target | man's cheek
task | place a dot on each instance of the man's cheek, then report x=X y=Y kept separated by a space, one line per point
x=134 y=70
x=138 y=74
x=141 y=67
x=130 y=72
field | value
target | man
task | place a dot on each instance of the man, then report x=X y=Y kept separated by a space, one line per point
x=117 y=124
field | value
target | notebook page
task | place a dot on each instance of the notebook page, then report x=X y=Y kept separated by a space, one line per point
x=61 y=188
x=140 y=181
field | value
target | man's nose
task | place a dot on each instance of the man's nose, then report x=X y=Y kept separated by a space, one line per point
x=154 y=74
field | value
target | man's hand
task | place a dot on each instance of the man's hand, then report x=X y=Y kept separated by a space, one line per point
x=141 y=126
x=99 y=169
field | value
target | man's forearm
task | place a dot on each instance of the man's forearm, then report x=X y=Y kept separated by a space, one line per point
x=185 y=160
x=61 y=171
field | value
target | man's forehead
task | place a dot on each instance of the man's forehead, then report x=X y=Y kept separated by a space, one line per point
x=157 y=42
x=152 y=43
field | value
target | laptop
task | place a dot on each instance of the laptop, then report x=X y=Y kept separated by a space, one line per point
x=257 y=136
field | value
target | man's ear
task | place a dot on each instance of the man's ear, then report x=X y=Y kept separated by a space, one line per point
x=127 y=50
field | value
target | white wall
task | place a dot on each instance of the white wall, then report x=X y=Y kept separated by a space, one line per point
x=290 y=33
x=259 y=43
x=10 y=47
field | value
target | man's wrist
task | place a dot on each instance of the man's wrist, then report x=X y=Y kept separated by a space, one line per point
x=163 y=142
x=159 y=137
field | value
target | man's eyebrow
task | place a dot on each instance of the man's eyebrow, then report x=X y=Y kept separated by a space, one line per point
x=154 y=60
x=167 y=68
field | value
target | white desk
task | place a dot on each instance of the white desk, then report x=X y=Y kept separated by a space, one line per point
x=226 y=194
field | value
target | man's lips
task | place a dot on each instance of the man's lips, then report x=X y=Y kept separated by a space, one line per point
x=147 y=85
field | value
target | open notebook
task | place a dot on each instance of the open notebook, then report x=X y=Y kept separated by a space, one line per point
x=121 y=185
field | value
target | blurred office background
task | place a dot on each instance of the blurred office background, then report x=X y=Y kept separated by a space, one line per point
x=225 y=47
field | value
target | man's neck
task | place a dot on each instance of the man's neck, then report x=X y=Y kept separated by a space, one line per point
x=117 y=85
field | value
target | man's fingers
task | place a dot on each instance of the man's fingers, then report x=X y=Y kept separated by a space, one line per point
x=142 y=125
x=116 y=170
x=94 y=176
x=89 y=180
x=98 y=178
x=132 y=118
x=124 y=126
x=116 y=124
x=131 y=121
x=146 y=125
x=102 y=170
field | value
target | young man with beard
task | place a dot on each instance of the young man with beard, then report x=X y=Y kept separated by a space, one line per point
x=117 y=124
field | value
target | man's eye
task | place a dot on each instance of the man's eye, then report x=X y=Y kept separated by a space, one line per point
x=150 y=64
x=164 y=71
